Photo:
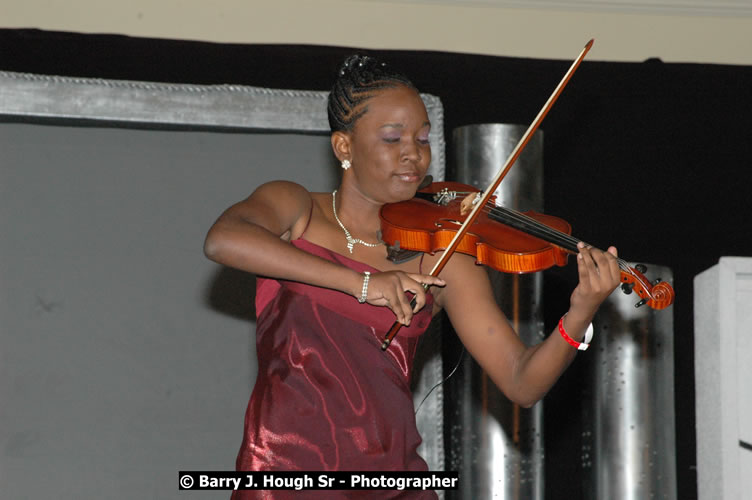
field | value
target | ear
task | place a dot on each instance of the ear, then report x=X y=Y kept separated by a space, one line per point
x=341 y=145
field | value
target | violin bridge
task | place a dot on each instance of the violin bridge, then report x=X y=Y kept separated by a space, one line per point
x=469 y=202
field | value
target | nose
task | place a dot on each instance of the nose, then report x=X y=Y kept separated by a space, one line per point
x=411 y=152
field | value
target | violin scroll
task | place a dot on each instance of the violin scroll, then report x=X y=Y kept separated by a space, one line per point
x=658 y=295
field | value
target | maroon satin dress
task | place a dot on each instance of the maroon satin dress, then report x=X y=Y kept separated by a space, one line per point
x=327 y=397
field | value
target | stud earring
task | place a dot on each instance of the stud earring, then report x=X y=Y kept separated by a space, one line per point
x=346 y=164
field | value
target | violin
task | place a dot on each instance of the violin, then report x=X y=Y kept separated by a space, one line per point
x=539 y=241
x=501 y=238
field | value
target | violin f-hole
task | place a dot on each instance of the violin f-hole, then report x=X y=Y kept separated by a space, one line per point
x=440 y=222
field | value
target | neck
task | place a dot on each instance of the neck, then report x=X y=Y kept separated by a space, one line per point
x=353 y=235
x=359 y=213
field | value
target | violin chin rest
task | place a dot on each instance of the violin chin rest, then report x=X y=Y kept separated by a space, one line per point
x=427 y=181
x=398 y=255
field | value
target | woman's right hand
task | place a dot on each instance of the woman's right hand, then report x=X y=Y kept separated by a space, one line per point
x=389 y=289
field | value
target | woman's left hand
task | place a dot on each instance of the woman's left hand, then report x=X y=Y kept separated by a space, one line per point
x=599 y=275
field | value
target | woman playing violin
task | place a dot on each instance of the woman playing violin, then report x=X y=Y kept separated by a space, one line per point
x=327 y=397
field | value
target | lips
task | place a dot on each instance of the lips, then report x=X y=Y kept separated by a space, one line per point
x=410 y=176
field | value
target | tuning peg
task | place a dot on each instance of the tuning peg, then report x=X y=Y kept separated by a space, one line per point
x=627 y=288
x=657 y=280
x=641 y=267
x=641 y=303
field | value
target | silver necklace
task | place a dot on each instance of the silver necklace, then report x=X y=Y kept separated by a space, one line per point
x=350 y=240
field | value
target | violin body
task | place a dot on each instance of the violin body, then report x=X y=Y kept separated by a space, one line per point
x=425 y=225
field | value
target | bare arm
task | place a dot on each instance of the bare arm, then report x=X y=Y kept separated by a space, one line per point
x=524 y=374
x=253 y=235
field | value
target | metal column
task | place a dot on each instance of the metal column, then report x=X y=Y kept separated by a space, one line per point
x=629 y=444
x=495 y=445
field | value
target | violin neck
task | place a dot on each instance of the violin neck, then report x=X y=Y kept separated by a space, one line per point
x=534 y=228
x=537 y=229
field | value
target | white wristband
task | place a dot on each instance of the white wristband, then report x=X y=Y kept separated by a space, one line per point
x=364 y=291
x=588 y=334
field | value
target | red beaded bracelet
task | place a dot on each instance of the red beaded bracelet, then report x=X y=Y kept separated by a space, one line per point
x=582 y=346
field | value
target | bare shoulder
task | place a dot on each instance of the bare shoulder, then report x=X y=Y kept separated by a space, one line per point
x=282 y=192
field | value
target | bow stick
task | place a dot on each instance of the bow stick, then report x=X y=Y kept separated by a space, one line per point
x=492 y=187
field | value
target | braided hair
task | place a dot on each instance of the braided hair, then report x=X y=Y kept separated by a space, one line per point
x=359 y=79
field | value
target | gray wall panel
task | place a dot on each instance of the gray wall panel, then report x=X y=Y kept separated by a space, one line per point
x=126 y=355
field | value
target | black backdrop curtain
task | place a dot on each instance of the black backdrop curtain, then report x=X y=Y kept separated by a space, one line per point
x=654 y=158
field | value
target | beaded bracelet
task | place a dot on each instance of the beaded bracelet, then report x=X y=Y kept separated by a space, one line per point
x=364 y=292
x=582 y=346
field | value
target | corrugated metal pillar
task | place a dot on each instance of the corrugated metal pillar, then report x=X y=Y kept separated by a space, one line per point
x=629 y=444
x=497 y=446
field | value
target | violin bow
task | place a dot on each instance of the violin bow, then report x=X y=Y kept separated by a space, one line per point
x=481 y=202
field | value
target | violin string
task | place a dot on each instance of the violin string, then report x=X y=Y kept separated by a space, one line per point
x=555 y=236
x=560 y=238
x=524 y=222
x=547 y=233
x=543 y=231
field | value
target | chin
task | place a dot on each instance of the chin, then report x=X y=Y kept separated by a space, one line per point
x=406 y=191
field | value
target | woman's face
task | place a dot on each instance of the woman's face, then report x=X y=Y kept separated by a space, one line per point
x=389 y=145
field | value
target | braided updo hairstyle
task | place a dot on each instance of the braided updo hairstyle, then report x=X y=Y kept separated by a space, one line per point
x=358 y=80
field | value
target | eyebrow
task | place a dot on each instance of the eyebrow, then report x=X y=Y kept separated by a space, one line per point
x=399 y=125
